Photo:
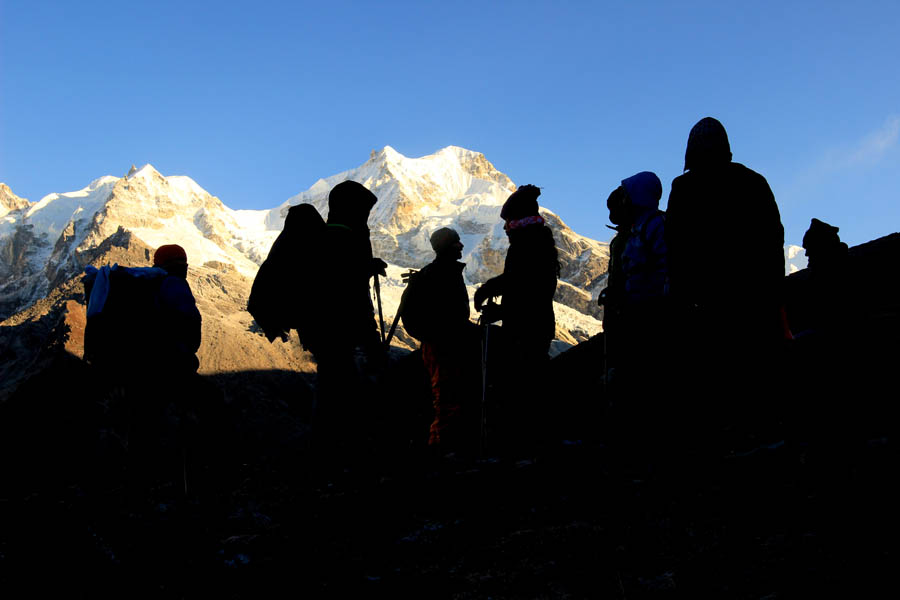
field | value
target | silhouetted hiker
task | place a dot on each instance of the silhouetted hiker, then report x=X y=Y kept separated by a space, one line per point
x=527 y=286
x=640 y=281
x=726 y=265
x=638 y=332
x=820 y=297
x=143 y=333
x=280 y=299
x=179 y=319
x=725 y=240
x=436 y=312
x=345 y=311
x=612 y=296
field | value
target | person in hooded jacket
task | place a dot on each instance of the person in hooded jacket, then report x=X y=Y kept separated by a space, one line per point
x=448 y=342
x=725 y=240
x=527 y=286
x=726 y=265
x=638 y=338
x=644 y=282
x=344 y=308
x=638 y=277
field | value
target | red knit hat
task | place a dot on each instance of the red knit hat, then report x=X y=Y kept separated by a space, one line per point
x=168 y=253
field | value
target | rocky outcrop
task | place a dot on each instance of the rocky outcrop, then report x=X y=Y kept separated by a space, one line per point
x=9 y=202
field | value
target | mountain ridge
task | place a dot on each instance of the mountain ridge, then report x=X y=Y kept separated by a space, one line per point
x=452 y=187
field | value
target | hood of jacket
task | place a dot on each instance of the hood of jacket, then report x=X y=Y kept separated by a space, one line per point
x=349 y=203
x=644 y=189
x=707 y=145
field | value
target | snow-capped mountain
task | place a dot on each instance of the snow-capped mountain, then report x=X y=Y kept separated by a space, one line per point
x=794 y=259
x=45 y=243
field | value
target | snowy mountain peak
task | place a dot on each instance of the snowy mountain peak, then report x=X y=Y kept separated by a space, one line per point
x=10 y=202
x=146 y=171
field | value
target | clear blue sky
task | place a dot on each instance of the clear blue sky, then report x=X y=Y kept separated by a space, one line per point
x=257 y=100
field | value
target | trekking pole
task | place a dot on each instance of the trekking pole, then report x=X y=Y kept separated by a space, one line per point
x=380 y=313
x=399 y=314
x=484 y=373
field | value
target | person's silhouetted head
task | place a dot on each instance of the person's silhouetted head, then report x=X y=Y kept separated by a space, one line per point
x=643 y=190
x=302 y=220
x=171 y=258
x=822 y=243
x=446 y=244
x=617 y=203
x=707 y=145
x=521 y=203
x=349 y=203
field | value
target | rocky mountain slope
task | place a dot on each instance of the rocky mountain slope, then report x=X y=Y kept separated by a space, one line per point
x=45 y=244
x=35 y=336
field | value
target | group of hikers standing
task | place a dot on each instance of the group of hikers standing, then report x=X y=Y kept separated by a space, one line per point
x=667 y=287
x=693 y=308
x=434 y=309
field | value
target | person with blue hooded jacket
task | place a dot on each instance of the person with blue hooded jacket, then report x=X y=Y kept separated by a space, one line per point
x=640 y=288
x=638 y=341
x=644 y=260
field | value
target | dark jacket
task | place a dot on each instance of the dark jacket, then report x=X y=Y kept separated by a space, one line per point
x=180 y=327
x=527 y=285
x=614 y=293
x=440 y=302
x=345 y=304
x=644 y=258
x=725 y=238
x=345 y=308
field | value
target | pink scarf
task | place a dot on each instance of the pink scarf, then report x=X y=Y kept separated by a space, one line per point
x=519 y=223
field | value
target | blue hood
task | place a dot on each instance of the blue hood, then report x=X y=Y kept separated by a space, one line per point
x=644 y=189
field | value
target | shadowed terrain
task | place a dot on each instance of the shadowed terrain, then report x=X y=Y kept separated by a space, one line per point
x=800 y=515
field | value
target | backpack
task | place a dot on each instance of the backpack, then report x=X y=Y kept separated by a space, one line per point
x=122 y=329
x=278 y=301
x=266 y=305
x=413 y=309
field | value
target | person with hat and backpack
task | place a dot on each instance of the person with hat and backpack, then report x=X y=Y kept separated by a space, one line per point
x=436 y=312
x=178 y=317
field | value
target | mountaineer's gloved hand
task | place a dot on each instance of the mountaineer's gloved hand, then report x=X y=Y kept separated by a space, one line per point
x=378 y=267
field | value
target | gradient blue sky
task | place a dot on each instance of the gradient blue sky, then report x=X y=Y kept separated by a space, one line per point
x=257 y=100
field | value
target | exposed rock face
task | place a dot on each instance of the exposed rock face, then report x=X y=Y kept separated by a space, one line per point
x=10 y=202
x=56 y=323
x=20 y=278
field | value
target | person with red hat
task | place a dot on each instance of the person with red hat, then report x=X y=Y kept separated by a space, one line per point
x=179 y=319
